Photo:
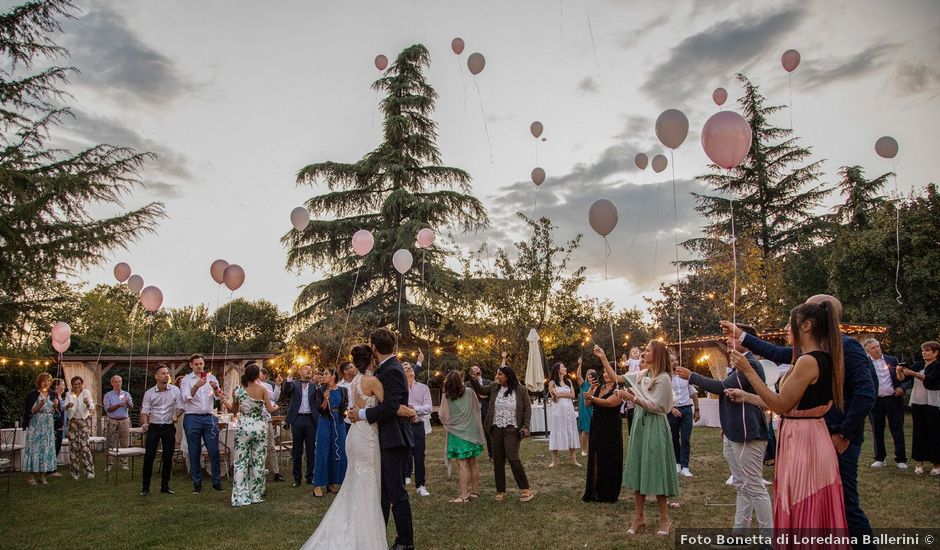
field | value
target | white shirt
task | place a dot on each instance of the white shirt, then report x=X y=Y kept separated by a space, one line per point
x=344 y=384
x=79 y=410
x=162 y=405
x=273 y=396
x=202 y=402
x=885 y=387
x=304 y=398
x=683 y=392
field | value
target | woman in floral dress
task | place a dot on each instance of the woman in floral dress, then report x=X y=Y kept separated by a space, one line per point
x=251 y=438
x=39 y=454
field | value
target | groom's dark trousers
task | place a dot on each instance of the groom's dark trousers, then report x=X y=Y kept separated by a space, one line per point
x=395 y=439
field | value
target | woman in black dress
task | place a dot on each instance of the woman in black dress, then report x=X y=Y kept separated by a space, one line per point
x=605 y=449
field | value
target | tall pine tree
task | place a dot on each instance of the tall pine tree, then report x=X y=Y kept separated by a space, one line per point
x=46 y=227
x=393 y=191
x=861 y=197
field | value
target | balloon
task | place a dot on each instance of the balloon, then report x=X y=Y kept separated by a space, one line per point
x=672 y=127
x=603 y=217
x=726 y=138
x=641 y=160
x=61 y=346
x=362 y=242
x=771 y=372
x=121 y=272
x=233 y=277
x=402 y=260
x=536 y=129
x=381 y=62
x=457 y=45
x=151 y=298
x=886 y=147
x=135 y=283
x=476 y=62
x=217 y=270
x=425 y=238
x=538 y=176
x=790 y=60
x=61 y=331
x=299 y=218
x=659 y=163
x=720 y=95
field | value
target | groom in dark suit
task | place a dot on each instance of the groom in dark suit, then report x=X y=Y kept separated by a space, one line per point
x=395 y=434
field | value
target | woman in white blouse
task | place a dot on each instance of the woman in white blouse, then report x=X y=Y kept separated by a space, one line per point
x=78 y=407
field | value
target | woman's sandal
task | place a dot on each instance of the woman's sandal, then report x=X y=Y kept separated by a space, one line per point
x=674 y=504
x=526 y=495
x=460 y=500
x=500 y=497
x=662 y=533
x=473 y=496
x=32 y=482
x=633 y=531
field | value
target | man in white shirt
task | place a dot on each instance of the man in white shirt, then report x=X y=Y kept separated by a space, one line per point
x=304 y=398
x=117 y=405
x=274 y=393
x=889 y=404
x=161 y=406
x=200 y=389
x=419 y=399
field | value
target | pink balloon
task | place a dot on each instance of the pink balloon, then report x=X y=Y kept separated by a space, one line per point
x=381 y=62
x=659 y=163
x=790 y=60
x=457 y=45
x=234 y=277
x=886 y=147
x=217 y=270
x=672 y=127
x=425 y=238
x=61 y=332
x=121 y=272
x=476 y=62
x=151 y=298
x=362 y=242
x=538 y=176
x=726 y=138
x=135 y=283
x=641 y=160
x=61 y=346
x=536 y=128
x=719 y=96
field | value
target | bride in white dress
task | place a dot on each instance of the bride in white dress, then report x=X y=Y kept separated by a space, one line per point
x=355 y=519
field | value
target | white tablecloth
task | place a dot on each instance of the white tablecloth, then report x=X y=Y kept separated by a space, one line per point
x=537 y=422
x=708 y=413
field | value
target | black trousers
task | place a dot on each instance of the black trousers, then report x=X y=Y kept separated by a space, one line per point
x=925 y=434
x=303 y=433
x=892 y=409
x=415 y=463
x=157 y=434
x=394 y=494
x=506 y=448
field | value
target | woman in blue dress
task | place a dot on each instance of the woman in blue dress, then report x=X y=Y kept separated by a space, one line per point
x=39 y=453
x=584 y=412
x=330 y=469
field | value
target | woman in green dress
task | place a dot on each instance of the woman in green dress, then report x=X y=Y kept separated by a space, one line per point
x=460 y=416
x=650 y=466
x=251 y=437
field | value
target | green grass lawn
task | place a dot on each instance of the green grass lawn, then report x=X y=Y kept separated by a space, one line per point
x=98 y=514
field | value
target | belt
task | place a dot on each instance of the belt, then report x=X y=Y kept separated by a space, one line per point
x=158 y=425
x=304 y=414
x=115 y=419
x=198 y=414
x=802 y=417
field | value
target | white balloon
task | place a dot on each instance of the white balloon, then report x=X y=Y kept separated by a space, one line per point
x=300 y=218
x=402 y=260
x=771 y=372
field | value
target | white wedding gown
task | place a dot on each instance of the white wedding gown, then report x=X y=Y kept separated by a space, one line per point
x=355 y=520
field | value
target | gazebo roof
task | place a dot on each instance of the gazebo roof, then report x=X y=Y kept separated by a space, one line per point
x=779 y=335
x=218 y=357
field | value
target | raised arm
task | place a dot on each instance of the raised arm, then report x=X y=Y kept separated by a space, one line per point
x=602 y=357
x=777 y=354
x=798 y=379
x=577 y=371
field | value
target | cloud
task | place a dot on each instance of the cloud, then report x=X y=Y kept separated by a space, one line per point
x=816 y=74
x=114 y=61
x=588 y=85
x=722 y=49
x=913 y=78
x=162 y=190
x=88 y=130
x=634 y=36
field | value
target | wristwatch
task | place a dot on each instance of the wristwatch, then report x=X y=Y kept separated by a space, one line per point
x=842 y=437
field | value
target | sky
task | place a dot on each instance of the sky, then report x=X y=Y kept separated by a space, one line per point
x=235 y=97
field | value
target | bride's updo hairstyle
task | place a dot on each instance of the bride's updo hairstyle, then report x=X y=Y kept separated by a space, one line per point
x=362 y=357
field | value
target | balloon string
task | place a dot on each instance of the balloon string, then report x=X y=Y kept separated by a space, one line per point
x=639 y=219
x=130 y=355
x=101 y=347
x=227 y=325
x=486 y=127
x=897 y=233
x=607 y=252
x=587 y=12
x=734 y=260
x=790 y=88
x=352 y=297
x=427 y=332
x=401 y=289
x=536 y=151
x=463 y=82
x=374 y=109
x=561 y=22
x=675 y=234
x=147 y=361
x=215 y=324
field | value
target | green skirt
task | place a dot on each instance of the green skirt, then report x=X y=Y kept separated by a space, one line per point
x=463 y=449
x=651 y=462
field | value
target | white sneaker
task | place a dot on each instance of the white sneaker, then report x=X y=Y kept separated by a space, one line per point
x=919 y=470
x=685 y=472
x=767 y=482
x=902 y=466
x=423 y=492
x=878 y=464
x=678 y=468
x=730 y=480
x=407 y=481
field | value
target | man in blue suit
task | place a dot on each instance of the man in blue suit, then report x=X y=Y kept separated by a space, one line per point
x=847 y=428
x=305 y=398
x=890 y=405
